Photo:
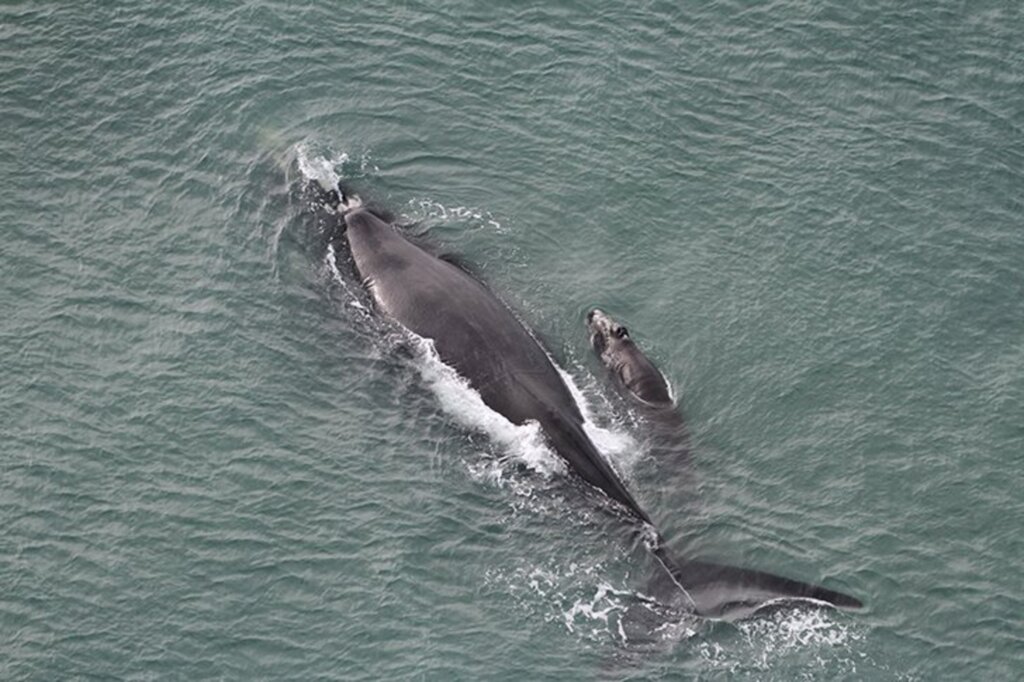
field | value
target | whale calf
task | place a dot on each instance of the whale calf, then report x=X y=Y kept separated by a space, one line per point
x=646 y=388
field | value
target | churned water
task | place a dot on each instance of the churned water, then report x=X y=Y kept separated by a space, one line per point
x=217 y=461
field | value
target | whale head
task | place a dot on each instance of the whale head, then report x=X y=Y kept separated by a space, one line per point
x=607 y=336
x=627 y=363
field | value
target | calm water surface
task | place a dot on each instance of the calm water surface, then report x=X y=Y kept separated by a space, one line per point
x=218 y=464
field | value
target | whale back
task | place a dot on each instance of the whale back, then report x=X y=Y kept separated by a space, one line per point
x=472 y=331
x=640 y=377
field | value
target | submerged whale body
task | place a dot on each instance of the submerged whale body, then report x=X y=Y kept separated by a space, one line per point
x=477 y=335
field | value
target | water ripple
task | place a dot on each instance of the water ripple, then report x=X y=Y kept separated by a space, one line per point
x=216 y=468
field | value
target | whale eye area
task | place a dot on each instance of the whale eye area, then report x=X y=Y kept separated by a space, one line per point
x=621 y=332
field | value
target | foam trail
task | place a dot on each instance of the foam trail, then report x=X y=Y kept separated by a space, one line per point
x=430 y=210
x=332 y=266
x=524 y=442
x=616 y=445
x=809 y=635
x=581 y=597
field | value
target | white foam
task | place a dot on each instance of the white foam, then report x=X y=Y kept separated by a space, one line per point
x=318 y=168
x=430 y=210
x=614 y=443
x=796 y=627
x=800 y=635
x=581 y=598
x=589 y=602
x=592 y=610
x=328 y=167
x=524 y=442
x=332 y=267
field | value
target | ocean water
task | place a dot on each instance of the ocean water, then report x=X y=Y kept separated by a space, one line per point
x=219 y=463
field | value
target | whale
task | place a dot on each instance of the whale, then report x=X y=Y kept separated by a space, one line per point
x=646 y=389
x=483 y=340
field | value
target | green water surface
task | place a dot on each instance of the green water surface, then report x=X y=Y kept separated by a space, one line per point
x=216 y=465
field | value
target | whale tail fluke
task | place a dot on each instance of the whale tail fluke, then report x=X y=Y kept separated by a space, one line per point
x=726 y=592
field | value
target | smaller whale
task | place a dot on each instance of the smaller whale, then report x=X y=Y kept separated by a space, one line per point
x=617 y=350
x=645 y=387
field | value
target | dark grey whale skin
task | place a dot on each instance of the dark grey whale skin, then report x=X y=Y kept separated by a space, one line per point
x=646 y=388
x=477 y=335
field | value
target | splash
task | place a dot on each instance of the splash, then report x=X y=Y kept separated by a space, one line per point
x=613 y=441
x=789 y=642
x=319 y=168
x=328 y=167
x=592 y=600
x=431 y=211
x=525 y=443
x=331 y=263
x=797 y=627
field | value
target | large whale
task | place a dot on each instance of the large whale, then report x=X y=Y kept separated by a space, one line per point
x=479 y=336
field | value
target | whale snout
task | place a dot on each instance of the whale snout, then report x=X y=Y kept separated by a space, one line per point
x=596 y=316
x=597 y=325
x=606 y=335
x=598 y=321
